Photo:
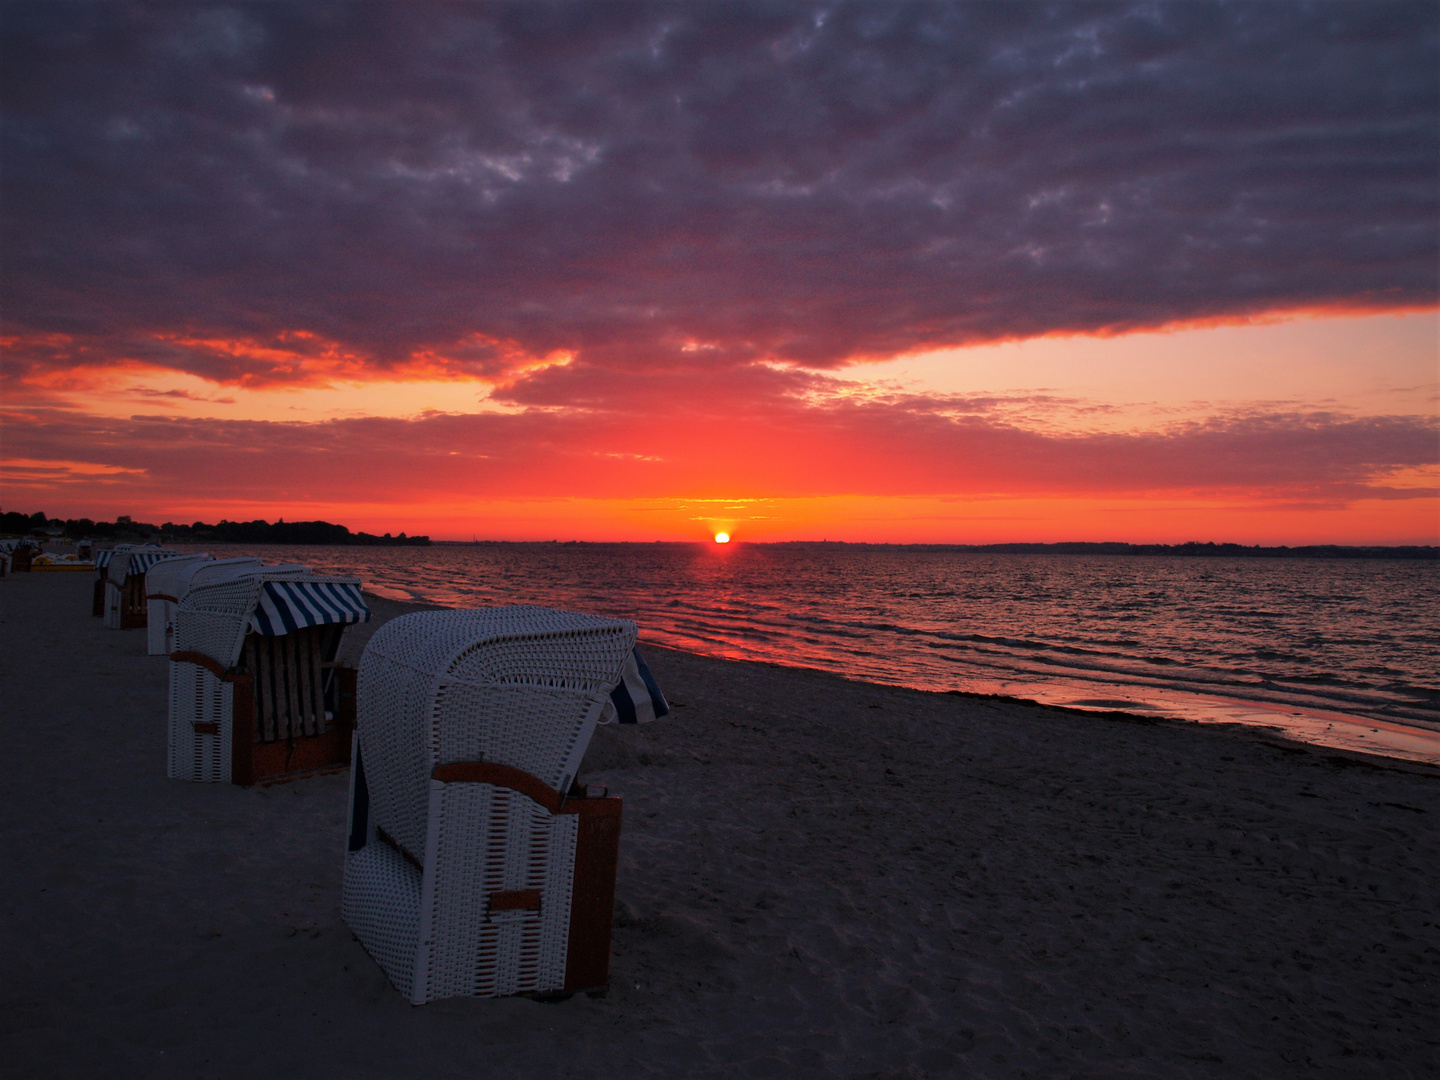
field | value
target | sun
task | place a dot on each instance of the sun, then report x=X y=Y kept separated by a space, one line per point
x=722 y=538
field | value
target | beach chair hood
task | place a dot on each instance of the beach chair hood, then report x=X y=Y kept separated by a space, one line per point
x=136 y=562
x=207 y=573
x=162 y=580
x=518 y=686
x=468 y=869
x=214 y=618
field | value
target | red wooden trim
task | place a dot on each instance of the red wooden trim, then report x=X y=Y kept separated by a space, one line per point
x=592 y=897
x=160 y=596
x=210 y=664
x=515 y=900
x=284 y=760
x=242 y=728
x=490 y=772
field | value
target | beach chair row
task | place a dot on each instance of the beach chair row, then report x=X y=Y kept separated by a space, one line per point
x=256 y=692
x=476 y=863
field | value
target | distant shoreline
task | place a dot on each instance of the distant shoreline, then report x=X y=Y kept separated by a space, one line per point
x=1195 y=550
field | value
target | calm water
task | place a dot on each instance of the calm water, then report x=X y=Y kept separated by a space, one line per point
x=1285 y=640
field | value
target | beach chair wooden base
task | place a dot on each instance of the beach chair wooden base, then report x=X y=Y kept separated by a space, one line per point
x=217 y=732
x=592 y=903
x=134 y=609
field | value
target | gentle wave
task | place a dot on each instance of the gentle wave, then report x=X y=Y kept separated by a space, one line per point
x=1355 y=637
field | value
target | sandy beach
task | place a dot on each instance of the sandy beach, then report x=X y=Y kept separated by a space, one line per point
x=818 y=878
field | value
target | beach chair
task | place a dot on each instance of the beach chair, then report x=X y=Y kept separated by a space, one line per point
x=21 y=554
x=163 y=587
x=125 y=605
x=103 y=558
x=255 y=692
x=474 y=865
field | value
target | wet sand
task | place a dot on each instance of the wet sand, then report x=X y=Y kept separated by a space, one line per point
x=818 y=878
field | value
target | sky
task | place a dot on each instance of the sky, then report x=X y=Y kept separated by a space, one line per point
x=938 y=273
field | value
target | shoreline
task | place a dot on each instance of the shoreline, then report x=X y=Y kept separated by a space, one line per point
x=1397 y=741
x=819 y=877
x=1352 y=712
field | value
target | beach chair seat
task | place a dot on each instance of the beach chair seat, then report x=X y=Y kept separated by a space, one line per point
x=125 y=604
x=475 y=866
x=255 y=692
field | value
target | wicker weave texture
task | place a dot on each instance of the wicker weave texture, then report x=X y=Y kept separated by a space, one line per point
x=517 y=686
x=493 y=839
x=180 y=580
x=213 y=619
x=520 y=686
x=164 y=580
x=197 y=696
x=168 y=576
x=381 y=905
x=113 y=601
x=216 y=570
x=159 y=625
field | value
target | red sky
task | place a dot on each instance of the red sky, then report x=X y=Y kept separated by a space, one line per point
x=1127 y=272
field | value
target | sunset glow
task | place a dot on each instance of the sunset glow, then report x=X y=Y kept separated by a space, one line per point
x=943 y=302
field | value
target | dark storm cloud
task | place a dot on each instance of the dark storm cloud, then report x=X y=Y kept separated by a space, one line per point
x=809 y=182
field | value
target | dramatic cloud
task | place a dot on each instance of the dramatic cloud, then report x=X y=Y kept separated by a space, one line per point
x=786 y=449
x=634 y=246
x=274 y=193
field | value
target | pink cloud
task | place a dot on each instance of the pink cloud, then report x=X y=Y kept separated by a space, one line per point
x=785 y=448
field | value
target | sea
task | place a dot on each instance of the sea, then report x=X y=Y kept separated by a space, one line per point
x=1340 y=652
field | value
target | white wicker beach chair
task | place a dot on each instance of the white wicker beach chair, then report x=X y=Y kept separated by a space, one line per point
x=103 y=558
x=473 y=867
x=255 y=693
x=125 y=605
x=163 y=586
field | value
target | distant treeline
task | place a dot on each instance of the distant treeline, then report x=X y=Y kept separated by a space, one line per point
x=1194 y=548
x=226 y=532
x=282 y=532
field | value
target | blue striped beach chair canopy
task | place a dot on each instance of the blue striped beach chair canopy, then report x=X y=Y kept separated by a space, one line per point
x=636 y=699
x=104 y=555
x=286 y=606
x=139 y=560
x=142 y=561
